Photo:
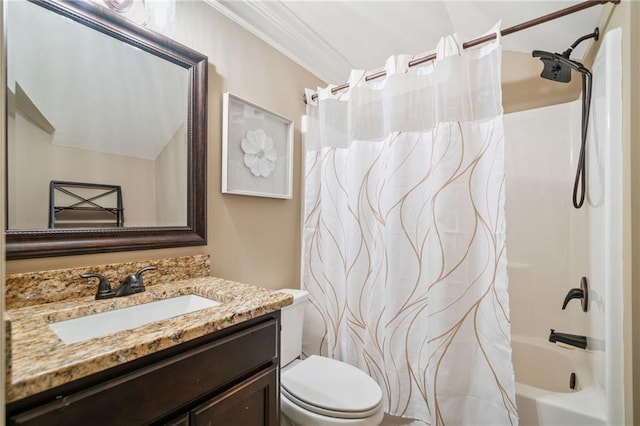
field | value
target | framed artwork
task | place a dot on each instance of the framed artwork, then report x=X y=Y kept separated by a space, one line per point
x=257 y=150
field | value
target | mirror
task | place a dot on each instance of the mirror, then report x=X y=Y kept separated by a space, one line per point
x=106 y=133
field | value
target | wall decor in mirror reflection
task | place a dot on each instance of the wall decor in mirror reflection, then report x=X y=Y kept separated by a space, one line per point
x=257 y=150
x=95 y=98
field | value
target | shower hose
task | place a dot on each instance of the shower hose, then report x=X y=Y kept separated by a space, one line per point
x=579 y=186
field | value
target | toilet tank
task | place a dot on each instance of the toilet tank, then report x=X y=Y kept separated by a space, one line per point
x=291 y=321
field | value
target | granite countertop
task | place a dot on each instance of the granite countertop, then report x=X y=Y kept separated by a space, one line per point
x=40 y=360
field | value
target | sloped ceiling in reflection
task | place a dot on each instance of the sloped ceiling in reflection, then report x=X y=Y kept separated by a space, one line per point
x=75 y=77
x=22 y=102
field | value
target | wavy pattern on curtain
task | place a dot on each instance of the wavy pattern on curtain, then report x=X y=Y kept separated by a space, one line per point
x=404 y=237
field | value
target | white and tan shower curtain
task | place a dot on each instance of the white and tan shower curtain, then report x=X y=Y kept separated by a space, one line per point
x=404 y=235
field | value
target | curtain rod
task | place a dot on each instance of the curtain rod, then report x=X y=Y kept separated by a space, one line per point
x=476 y=41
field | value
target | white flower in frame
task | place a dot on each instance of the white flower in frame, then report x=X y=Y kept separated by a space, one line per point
x=259 y=153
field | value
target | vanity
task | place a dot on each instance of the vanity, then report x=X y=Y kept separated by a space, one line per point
x=216 y=365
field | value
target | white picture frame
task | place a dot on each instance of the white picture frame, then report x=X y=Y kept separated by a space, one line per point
x=257 y=150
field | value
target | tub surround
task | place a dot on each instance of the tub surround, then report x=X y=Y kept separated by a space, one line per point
x=40 y=360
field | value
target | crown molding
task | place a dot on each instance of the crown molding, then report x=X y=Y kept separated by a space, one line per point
x=276 y=25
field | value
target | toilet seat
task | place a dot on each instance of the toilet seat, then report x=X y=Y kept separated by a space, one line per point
x=332 y=388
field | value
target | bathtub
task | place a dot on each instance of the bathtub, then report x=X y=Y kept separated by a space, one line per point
x=543 y=394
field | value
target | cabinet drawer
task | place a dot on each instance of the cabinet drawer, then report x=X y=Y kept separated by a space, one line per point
x=163 y=387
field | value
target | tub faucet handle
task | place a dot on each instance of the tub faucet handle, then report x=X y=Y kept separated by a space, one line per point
x=581 y=293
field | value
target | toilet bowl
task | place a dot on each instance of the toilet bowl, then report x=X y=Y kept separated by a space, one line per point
x=320 y=391
x=323 y=391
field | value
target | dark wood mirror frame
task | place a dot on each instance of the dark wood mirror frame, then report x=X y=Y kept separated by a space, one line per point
x=22 y=244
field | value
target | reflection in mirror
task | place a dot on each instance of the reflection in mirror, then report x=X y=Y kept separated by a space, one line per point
x=78 y=115
x=96 y=100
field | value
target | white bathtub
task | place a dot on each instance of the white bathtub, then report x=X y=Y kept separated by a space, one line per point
x=543 y=395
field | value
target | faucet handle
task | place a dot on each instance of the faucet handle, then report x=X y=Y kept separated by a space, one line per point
x=574 y=293
x=578 y=293
x=104 y=287
x=143 y=270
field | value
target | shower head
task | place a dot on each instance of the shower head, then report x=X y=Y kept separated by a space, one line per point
x=558 y=66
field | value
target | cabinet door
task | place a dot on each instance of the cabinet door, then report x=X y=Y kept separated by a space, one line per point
x=254 y=402
x=183 y=420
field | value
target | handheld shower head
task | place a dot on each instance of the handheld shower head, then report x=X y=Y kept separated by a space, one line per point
x=558 y=66
x=554 y=69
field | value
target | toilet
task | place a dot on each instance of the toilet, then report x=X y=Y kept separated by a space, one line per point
x=320 y=391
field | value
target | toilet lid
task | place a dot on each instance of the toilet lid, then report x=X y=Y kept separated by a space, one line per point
x=333 y=388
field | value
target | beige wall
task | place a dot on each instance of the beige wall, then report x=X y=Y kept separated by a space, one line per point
x=251 y=239
x=524 y=89
x=35 y=161
x=171 y=193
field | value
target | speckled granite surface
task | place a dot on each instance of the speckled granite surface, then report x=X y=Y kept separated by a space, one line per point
x=35 y=288
x=40 y=360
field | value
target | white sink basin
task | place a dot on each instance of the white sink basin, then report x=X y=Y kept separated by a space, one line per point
x=98 y=325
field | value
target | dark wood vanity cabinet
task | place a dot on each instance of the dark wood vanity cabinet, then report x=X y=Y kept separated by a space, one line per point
x=230 y=377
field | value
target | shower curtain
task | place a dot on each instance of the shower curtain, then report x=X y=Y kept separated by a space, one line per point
x=404 y=235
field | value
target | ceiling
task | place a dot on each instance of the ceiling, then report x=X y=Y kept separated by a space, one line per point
x=73 y=77
x=329 y=38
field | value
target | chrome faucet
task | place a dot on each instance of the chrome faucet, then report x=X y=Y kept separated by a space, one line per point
x=130 y=285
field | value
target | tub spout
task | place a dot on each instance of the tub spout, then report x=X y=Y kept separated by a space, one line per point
x=568 y=339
